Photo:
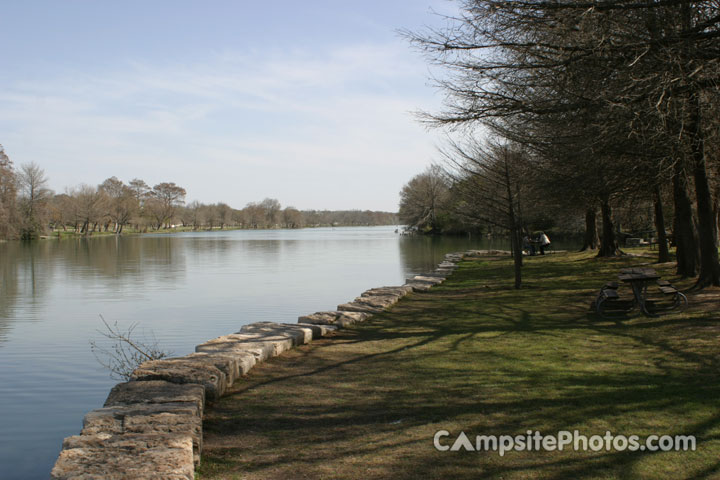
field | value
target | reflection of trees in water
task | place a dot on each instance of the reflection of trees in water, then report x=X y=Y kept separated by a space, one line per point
x=205 y=245
x=421 y=253
x=220 y=246
x=25 y=272
x=28 y=269
x=116 y=258
x=8 y=287
x=220 y=252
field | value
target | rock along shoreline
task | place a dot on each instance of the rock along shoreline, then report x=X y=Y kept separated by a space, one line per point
x=151 y=426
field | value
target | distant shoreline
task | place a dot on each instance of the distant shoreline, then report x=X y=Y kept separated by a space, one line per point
x=61 y=235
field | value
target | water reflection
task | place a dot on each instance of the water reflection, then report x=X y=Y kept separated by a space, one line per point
x=111 y=268
x=8 y=287
x=422 y=253
x=28 y=271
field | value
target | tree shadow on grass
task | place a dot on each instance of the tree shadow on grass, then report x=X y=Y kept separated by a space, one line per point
x=367 y=404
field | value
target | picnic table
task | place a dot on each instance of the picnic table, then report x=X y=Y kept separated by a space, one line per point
x=639 y=278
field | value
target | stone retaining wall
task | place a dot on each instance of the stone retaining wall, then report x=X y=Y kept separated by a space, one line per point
x=151 y=426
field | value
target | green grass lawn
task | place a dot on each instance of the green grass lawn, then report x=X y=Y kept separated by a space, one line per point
x=477 y=356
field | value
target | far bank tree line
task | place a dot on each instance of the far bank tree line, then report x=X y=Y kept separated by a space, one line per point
x=586 y=109
x=29 y=209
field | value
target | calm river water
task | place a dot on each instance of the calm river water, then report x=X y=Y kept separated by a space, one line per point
x=185 y=288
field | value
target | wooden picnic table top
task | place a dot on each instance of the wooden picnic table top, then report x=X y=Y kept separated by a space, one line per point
x=638 y=275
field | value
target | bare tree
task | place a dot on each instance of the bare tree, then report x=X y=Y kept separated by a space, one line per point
x=193 y=214
x=140 y=189
x=292 y=218
x=87 y=203
x=164 y=199
x=423 y=200
x=126 y=352
x=8 y=191
x=211 y=216
x=254 y=215
x=272 y=209
x=224 y=213
x=34 y=196
x=122 y=202
x=488 y=182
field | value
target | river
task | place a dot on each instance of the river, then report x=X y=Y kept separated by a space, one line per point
x=184 y=288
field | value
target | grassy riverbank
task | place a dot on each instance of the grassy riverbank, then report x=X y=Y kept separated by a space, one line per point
x=474 y=355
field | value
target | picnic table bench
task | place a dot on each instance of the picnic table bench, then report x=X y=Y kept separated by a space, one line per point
x=639 y=279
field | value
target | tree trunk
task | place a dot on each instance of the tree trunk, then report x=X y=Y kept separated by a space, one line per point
x=515 y=230
x=519 y=242
x=683 y=225
x=591 y=232
x=663 y=253
x=608 y=243
x=717 y=212
x=709 y=260
x=517 y=256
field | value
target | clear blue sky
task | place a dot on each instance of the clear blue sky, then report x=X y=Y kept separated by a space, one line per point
x=305 y=101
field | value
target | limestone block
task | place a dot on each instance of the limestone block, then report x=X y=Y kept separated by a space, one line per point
x=185 y=370
x=424 y=279
x=482 y=253
x=319 y=330
x=448 y=265
x=299 y=335
x=319 y=318
x=370 y=304
x=240 y=345
x=419 y=286
x=359 y=307
x=260 y=345
x=381 y=301
x=227 y=364
x=132 y=456
x=237 y=362
x=276 y=343
x=157 y=391
x=340 y=318
x=400 y=291
x=355 y=317
x=160 y=418
x=435 y=274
